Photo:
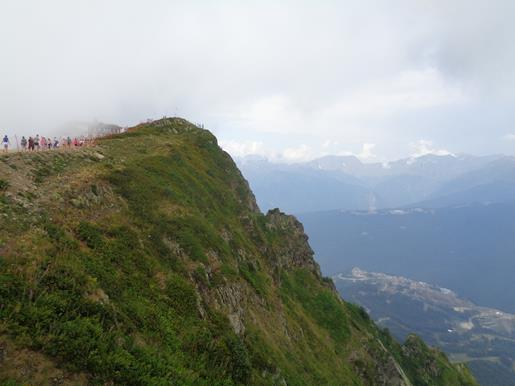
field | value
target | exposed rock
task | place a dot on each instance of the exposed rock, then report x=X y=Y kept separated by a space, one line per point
x=294 y=251
x=385 y=369
x=98 y=296
x=231 y=297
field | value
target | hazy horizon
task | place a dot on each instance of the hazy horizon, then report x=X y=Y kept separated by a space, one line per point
x=277 y=158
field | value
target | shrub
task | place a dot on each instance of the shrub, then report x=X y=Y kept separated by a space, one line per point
x=181 y=296
x=3 y=185
x=90 y=235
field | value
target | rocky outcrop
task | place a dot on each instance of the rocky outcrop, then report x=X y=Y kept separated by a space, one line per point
x=293 y=251
x=231 y=299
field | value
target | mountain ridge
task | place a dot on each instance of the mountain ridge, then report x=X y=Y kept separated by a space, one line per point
x=145 y=260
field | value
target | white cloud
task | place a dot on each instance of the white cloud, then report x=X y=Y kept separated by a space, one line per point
x=242 y=149
x=509 y=137
x=351 y=72
x=274 y=113
x=329 y=143
x=301 y=153
x=366 y=152
x=424 y=147
x=403 y=92
x=297 y=154
x=407 y=90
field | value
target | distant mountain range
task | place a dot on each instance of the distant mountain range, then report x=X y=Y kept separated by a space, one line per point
x=344 y=182
x=484 y=337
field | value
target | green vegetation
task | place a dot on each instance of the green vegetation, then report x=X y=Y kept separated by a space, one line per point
x=145 y=261
x=319 y=303
x=3 y=185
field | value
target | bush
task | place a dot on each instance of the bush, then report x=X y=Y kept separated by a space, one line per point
x=90 y=235
x=240 y=362
x=82 y=342
x=181 y=296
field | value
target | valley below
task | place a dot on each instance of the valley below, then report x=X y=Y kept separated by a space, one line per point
x=481 y=336
x=468 y=248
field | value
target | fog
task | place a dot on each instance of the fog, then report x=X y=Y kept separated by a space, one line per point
x=290 y=79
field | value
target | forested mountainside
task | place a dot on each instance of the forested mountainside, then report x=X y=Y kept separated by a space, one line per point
x=146 y=261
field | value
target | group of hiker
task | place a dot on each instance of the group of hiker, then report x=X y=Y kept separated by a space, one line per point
x=37 y=143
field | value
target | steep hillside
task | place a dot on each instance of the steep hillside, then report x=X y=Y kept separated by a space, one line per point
x=145 y=261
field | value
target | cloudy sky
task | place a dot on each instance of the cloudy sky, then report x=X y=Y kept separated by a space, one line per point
x=290 y=80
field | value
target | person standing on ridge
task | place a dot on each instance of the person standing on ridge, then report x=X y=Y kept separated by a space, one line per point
x=23 y=143
x=31 y=144
x=5 y=143
x=36 y=142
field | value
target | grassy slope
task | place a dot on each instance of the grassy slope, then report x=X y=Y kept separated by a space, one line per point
x=145 y=261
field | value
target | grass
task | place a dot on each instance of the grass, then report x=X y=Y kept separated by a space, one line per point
x=133 y=268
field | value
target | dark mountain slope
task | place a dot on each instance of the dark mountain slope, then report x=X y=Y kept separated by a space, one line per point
x=493 y=183
x=301 y=188
x=345 y=183
x=145 y=261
